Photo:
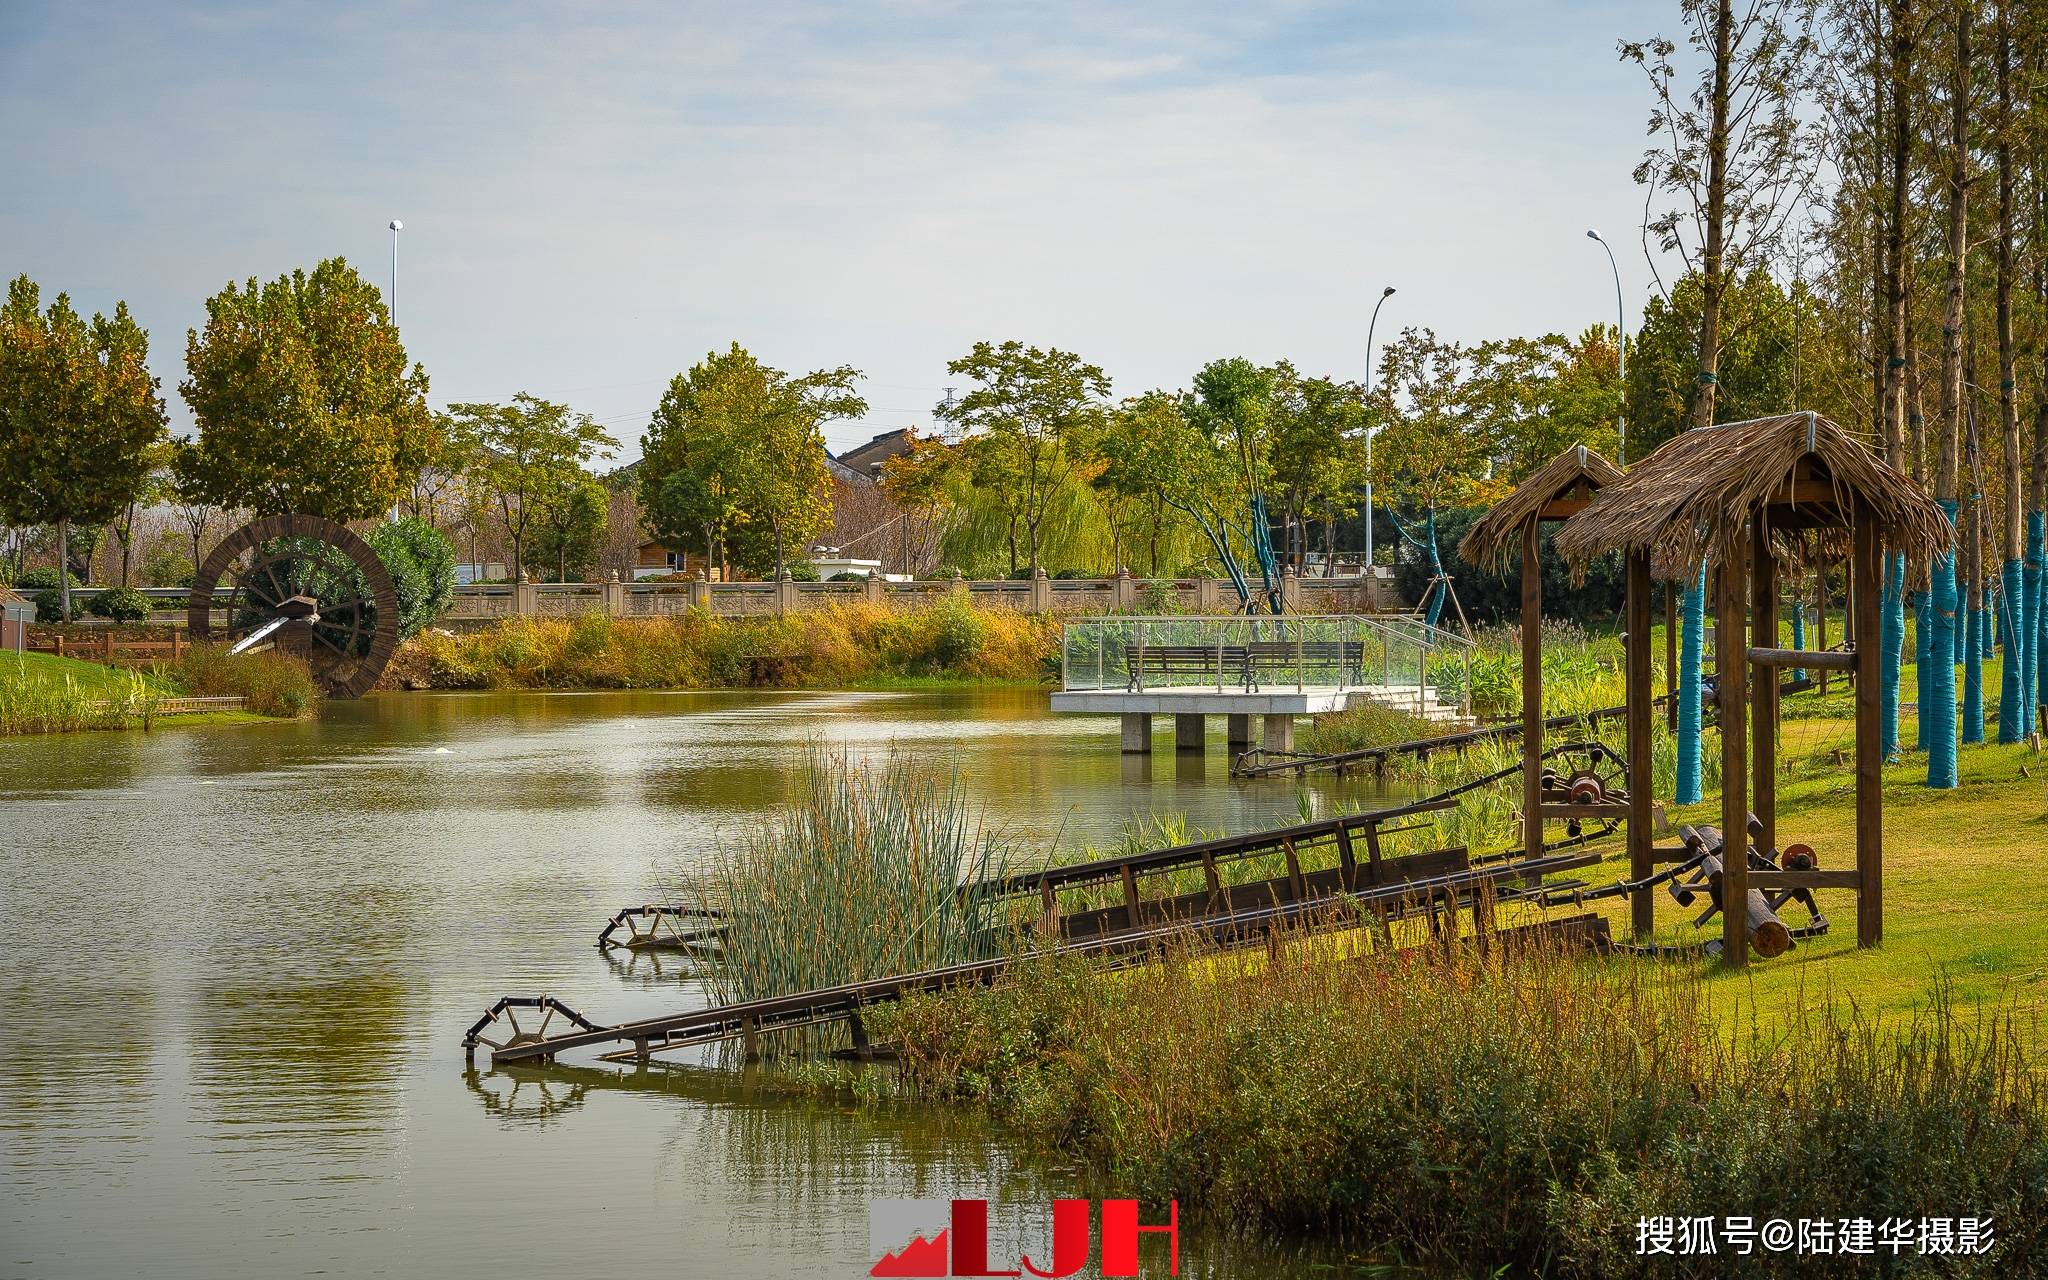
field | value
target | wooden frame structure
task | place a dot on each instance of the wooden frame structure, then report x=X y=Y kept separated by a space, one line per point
x=1559 y=490
x=1733 y=496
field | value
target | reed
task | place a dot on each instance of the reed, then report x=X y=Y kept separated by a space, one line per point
x=872 y=870
x=37 y=701
x=1465 y=1114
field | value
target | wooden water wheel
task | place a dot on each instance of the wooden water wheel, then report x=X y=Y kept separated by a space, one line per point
x=306 y=585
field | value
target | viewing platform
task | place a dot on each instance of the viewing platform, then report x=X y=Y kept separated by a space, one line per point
x=1242 y=665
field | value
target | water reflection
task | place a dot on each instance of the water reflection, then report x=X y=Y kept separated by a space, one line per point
x=238 y=962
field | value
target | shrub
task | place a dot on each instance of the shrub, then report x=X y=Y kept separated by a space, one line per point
x=958 y=636
x=122 y=604
x=49 y=604
x=848 y=576
x=275 y=684
x=42 y=580
x=421 y=562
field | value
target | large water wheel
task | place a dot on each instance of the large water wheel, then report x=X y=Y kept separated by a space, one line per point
x=306 y=585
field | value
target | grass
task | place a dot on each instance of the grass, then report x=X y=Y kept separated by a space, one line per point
x=852 y=645
x=43 y=693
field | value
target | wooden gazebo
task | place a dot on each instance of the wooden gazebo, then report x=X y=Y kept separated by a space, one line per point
x=1559 y=490
x=1731 y=496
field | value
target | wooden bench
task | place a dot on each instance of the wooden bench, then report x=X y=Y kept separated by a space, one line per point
x=1270 y=656
x=1221 y=664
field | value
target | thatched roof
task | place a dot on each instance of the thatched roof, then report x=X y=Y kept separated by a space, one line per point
x=1496 y=539
x=1704 y=485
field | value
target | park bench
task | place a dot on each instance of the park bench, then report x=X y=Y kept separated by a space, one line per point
x=1221 y=664
x=1272 y=656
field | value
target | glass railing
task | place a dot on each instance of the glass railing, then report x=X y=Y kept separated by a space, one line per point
x=1251 y=653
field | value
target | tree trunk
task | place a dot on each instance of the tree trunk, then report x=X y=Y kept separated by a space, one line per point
x=1940 y=706
x=1713 y=279
x=64 y=568
x=1898 y=178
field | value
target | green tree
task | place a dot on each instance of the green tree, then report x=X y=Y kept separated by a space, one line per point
x=736 y=452
x=421 y=562
x=1029 y=417
x=1536 y=397
x=79 y=415
x=303 y=399
x=158 y=485
x=1146 y=449
x=1316 y=428
x=574 y=522
x=1755 y=359
x=527 y=454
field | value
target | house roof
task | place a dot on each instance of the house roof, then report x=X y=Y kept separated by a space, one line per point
x=865 y=461
x=1702 y=487
x=1571 y=478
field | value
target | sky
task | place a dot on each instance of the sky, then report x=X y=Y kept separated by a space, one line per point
x=596 y=196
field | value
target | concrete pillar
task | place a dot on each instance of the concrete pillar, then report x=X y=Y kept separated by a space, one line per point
x=872 y=587
x=1238 y=735
x=1137 y=732
x=1187 y=731
x=785 y=594
x=615 y=596
x=1041 y=592
x=1208 y=597
x=1279 y=734
x=1290 y=590
x=1121 y=594
x=525 y=600
x=700 y=592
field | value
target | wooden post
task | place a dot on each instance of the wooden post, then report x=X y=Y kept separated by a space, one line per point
x=1532 y=695
x=1764 y=603
x=177 y=643
x=1865 y=566
x=1130 y=898
x=107 y=648
x=1730 y=665
x=1642 y=903
x=1820 y=621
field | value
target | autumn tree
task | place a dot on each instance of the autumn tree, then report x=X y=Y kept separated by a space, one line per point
x=79 y=416
x=529 y=454
x=574 y=522
x=1026 y=420
x=737 y=447
x=303 y=398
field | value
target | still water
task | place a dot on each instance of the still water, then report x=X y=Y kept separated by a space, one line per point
x=237 y=963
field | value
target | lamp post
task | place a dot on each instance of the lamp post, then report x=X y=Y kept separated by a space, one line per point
x=396 y=227
x=1386 y=293
x=1620 y=353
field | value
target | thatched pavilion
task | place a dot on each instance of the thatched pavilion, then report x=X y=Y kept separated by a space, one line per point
x=1726 y=496
x=1560 y=489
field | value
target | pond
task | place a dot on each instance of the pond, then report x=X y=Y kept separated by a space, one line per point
x=238 y=961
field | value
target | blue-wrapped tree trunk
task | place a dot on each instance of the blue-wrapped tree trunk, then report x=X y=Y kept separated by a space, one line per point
x=1891 y=607
x=1692 y=615
x=1799 y=635
x=1973 y=670
x=1923 y=662
x=2036 y=692
x=2012 y=622
x=1938 y=713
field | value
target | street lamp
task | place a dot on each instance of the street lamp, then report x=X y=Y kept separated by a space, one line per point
x=396 y=227
x=1620 y=353
x=1386 y=293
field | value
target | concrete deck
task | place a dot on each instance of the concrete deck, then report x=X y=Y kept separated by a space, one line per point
x=1299 y=702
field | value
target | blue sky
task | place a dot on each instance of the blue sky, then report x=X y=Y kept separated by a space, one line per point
x=595 y=196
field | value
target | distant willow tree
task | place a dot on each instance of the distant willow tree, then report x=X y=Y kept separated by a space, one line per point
x=303 y=399
x=80 y=417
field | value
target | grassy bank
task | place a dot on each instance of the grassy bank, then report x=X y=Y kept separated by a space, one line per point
x=848 y=645
x=42 y=693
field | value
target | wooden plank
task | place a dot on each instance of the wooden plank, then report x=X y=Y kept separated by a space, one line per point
x=1532 y=696
x=1763 y=596
x=1130 y=879
x=1730 y=672
x=1864 y=570
x=1605 y=809
x=1643 y=902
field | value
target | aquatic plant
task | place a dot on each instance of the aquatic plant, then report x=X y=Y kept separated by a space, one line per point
x=872 y=870
x=274 y=684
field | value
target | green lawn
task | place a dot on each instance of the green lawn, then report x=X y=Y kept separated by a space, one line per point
x=90 y=678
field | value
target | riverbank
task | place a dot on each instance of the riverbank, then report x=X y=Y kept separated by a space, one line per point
x=1452 y=1114
x=42 y=693
x=854 y=646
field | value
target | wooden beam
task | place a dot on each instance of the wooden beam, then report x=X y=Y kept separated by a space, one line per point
x=1816 y=659
x=1606 y=809
x=1864 y=569
x=1730 y=678
x=1763 y=604
x=1643 y=902
x=1532 y=696
x=1562 y=508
